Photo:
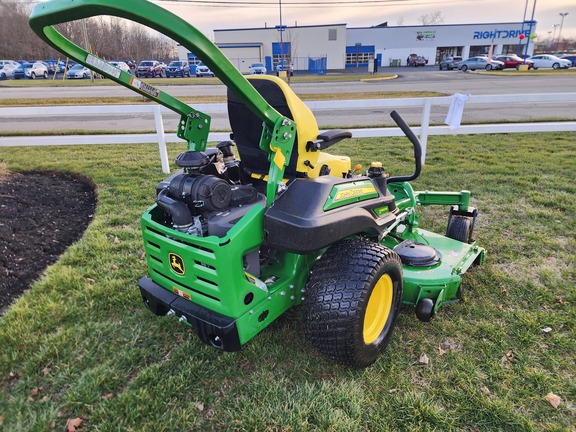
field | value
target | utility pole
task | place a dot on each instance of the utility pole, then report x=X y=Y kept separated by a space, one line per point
x=562 y=14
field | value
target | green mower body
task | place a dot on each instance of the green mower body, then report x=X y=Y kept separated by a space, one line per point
x=232 y=244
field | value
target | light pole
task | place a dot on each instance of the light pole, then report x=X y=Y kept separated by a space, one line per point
x=562 y=14
x=281 y=31
x=554 y=35
x=549 y=41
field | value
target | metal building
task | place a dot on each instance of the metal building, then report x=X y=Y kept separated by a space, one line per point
x=315 y=49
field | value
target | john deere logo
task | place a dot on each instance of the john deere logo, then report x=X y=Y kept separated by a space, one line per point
x=176 y=264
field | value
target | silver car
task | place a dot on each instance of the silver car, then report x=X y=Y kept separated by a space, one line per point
x=480 y=62
x=7 y=71
x=78 y=71
x=202 y=70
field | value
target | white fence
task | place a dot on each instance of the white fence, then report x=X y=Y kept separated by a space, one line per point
x=161 y=137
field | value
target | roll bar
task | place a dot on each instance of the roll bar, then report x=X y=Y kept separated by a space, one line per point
x=278 y=132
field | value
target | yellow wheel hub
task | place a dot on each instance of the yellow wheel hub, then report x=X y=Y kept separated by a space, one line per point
x=378 y=309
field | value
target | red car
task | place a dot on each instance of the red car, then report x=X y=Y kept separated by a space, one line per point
x=416 y=60
x=149 y=69
x=512 y=61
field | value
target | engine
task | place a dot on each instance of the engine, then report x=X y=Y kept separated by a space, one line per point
x=206 y=197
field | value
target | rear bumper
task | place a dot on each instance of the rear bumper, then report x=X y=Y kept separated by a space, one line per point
x=212 y=328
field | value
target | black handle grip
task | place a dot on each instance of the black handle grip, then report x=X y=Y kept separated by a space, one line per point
x=417 y=148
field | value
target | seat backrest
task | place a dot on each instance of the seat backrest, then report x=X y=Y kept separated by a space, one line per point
x=247 y=128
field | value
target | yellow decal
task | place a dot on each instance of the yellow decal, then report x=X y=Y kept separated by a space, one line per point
x=181 y=293
x=177 y=264
x=279 y=158
x=352 y=193
x=256 y=282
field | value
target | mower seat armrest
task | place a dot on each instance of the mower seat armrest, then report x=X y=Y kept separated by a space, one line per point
x=328 y=138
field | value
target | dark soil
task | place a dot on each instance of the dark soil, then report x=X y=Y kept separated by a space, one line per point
x=41 y=214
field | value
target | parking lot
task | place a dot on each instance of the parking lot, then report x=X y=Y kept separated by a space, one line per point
x=409 y=80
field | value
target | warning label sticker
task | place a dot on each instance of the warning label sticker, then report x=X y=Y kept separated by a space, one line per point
x=146 y=88
x=103 y=66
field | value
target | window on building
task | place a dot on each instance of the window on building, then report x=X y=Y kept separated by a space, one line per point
x=193 y=60
x=479 y=50
x=332 y=34
x=359 y=58
x=443 y=52
x=511 y=49
x=281 y=55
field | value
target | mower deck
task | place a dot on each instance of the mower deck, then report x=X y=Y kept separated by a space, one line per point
x=440 y=281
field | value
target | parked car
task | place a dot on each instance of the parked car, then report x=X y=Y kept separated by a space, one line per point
x=123 y=66
x=480 y=62
x=202 y=70
x=78 y=71
x=512 y=61
x=31 y=70
x=177 y=68
x=280 y=67
x=450 y=63
x=550 y=61
x=8 y=62
x=571 y=57
x=257 y=69
x=417 y=61
x=7 y=71
x=149 y=69
x=50 y=65
x=61 y=66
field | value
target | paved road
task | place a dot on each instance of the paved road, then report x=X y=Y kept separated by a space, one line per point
x=429 y=79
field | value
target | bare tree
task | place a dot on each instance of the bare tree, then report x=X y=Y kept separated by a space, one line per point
x=431 y=18
x=108 y=37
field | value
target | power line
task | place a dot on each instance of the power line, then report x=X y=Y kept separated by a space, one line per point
x=227 y=3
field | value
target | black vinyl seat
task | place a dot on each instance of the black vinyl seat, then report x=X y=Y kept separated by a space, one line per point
x=307 y=160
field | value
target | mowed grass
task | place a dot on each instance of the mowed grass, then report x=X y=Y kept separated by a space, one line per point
x=80 y=344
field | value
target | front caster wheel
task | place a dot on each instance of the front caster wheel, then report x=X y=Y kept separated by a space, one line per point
x=352 y=301
x=425 y=310
x=459 y=229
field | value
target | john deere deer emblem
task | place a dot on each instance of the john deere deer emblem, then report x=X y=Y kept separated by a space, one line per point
x=176 y=264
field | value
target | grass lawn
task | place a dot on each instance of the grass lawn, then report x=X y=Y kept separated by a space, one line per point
x=80 y=344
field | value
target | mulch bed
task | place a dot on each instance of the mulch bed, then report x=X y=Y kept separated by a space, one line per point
x=41 y=214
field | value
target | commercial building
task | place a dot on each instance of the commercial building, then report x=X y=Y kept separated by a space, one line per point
x=334 y=46
x=391 y=46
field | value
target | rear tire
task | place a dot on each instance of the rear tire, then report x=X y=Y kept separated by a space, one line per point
x=488 y=67
x=352 y=301
x=45 y=75
x=459 y=229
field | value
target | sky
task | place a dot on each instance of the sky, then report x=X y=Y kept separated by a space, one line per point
x=223 y=14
